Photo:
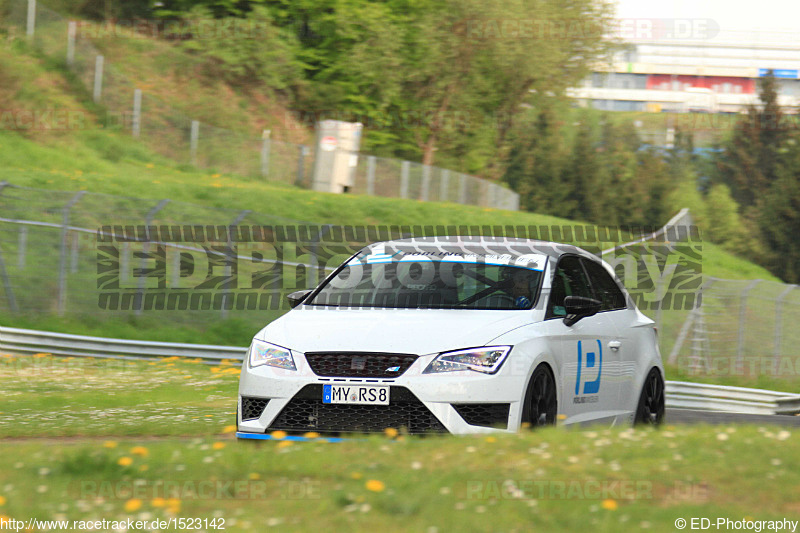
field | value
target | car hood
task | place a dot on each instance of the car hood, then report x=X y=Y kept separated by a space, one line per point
x=418 y=331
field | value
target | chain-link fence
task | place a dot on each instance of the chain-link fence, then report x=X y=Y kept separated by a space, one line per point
x=116 y=259
x=741 y=328
x=179 y=137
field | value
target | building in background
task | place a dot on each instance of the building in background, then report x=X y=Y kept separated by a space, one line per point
x=711 y=75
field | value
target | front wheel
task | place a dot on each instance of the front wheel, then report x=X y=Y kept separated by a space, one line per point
x=650 y=410
x=541 y=407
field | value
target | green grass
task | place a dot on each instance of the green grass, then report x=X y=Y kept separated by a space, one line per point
x=554 y=480
x=88 y=439
x=64 y=397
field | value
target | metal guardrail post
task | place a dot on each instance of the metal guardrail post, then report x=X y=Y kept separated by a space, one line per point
x=138 y=300
x=405 y=166
x=265 y=149
x=194 y=137
x=97 y=90
x=22 y=246
x=426 y=182
x=72 y=30
x=371 y=175
x=12 y=302
x=137 y=112
x=779 y=323
x=462 y=192
x=444 y=185
x=62 y=259
x=743 y=319
x=230 y=258
x=31 y=22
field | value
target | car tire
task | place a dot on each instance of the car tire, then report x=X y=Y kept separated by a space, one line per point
x=541 y=405
x=650 y=409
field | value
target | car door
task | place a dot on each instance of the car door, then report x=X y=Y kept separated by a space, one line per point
x=583 y=349
x=624 y=321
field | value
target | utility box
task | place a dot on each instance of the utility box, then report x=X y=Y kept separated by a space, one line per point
x=336 y=155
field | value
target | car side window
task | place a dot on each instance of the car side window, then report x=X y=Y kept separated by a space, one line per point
x=569 y=280
x=605 y=288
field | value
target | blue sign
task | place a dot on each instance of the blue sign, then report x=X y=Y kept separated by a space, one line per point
x=787 y=73
x=592 y=359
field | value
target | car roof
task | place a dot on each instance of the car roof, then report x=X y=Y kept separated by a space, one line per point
x=483 y=245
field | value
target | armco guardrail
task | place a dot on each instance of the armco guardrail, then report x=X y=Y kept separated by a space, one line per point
x=28 y=341
x=705 y=397
x=679 y=394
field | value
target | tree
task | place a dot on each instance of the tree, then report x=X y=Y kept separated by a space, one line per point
x=780 y=217
x=749 y=161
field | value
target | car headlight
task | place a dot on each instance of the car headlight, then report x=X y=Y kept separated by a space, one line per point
x=486 y=359
x=264 y=353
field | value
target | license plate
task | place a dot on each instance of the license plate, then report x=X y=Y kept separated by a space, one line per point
x=355 y=394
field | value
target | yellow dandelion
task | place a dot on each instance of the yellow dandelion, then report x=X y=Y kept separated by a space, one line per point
x=4 y=519
x=375 y=486
x=2 y=500
x=610 y=505
x=311 y=435
x=356 y=475
x=174 y=505
x=278 y=435
x=125 y=461
x=144 y=468
x=133 y=505
x=158 y=502
x=149 y=165
x=254 y=476
x=110 y=444
x=229 y=429
x=140 y=450
x=562 y=417
x=217 y=445
x=215 y=175
x=284 y=444
x=390 y=432
x=491 y=439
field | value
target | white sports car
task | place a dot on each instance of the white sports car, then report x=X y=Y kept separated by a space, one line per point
x=458 y=335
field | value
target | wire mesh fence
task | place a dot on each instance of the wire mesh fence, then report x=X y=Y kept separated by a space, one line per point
x=742 y=328
x=174 y=134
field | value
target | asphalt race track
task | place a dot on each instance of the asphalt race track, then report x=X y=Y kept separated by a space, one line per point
x=687 y=416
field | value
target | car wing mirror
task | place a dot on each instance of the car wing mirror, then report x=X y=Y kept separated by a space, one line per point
x=579 y=307
x=296 y=298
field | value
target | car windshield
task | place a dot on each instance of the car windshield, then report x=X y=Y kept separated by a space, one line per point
x=443 y=280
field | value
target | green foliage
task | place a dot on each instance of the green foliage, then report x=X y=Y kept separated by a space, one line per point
x=750 y=160
x=725 y=225
x=250 y=52
x=780 y=216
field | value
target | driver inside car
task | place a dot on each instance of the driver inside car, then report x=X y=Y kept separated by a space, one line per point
x=520 y=289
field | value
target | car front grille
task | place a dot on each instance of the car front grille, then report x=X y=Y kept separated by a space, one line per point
x=306 y=412
x=360 y=364
x=484 y=414
x=253 y=407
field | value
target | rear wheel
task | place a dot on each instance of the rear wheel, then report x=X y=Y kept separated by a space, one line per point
x=650 y=410
x=540 y=407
